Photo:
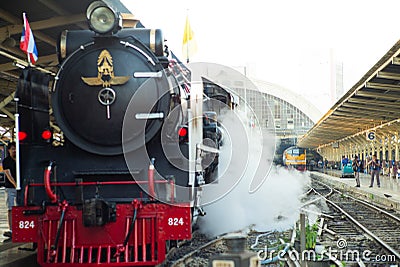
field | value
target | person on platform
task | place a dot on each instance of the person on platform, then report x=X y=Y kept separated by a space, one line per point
x=375 y=169
x=357 y=169
x=9 y=166
x=356 y=164
x=367 y=167
x=395 y=168
x=345 y=160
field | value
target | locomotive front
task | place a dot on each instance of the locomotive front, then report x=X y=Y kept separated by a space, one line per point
x=113 y=96
x=98 y=78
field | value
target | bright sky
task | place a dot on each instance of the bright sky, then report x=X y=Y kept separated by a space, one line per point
x=283 y=42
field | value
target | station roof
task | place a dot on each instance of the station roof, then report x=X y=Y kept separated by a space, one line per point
x=47 y=18
x=373 y=102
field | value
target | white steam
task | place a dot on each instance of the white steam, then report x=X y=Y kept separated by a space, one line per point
x=274 y=205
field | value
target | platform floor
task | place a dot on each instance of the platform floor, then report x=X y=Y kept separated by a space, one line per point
x=387 y=194
x=3 y=214
x=13 y=254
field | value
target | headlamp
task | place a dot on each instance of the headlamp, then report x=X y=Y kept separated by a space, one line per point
x=102 y=18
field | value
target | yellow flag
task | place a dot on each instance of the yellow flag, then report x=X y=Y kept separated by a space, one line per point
x=189 y=46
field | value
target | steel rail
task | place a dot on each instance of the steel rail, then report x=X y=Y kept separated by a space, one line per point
x=362 y=227
x=187 y=258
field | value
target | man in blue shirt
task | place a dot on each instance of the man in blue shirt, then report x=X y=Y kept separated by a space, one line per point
x=375 y=169
x=344 y=161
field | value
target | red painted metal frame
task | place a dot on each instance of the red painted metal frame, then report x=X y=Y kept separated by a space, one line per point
x=53 y=197
x=98 y=183
x=150 y=175
x=77 y=245
x=103 y=246
x=47 y=173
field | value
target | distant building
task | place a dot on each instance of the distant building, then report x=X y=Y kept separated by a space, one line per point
x=336 y=73
x=275 y=107
x=293 y=115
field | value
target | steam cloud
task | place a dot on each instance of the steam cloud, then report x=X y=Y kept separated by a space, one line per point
x=276 y=203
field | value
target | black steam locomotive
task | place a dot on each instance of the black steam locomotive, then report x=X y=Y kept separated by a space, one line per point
x=109 y=169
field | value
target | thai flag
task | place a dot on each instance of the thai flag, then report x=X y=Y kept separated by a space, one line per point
x=27 y=43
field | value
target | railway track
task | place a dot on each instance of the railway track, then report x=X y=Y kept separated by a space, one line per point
x=355 y=231
x=17 y=255
x=191 y=253
x=198 y=254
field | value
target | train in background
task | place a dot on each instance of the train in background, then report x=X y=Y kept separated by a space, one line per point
x=301 y=159
x=102 y=189
x=295 y=157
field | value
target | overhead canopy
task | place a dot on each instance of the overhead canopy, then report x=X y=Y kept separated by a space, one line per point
x=47 y=18
x=372 y=102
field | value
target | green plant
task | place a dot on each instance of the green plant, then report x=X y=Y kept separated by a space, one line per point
x=311 y=236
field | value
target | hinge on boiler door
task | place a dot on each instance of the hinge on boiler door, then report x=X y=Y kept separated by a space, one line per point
x=200 y=178
x=199 y=166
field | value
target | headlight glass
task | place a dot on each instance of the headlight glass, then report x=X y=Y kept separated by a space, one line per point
x=103 y=19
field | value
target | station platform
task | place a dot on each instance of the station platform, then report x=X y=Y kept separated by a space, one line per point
x=388 y=194
x=3 y=215
x=12 y=254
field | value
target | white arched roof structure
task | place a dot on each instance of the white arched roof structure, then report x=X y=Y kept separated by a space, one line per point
x=232 y=78
x=289 y=96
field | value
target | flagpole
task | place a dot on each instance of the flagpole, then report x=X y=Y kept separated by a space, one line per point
x=29 y=60
x=16 y=99
x=28 y=56
x=187 y=31
x=17 y=158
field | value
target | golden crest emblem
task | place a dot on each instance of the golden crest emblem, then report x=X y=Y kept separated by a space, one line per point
x=105 y=72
